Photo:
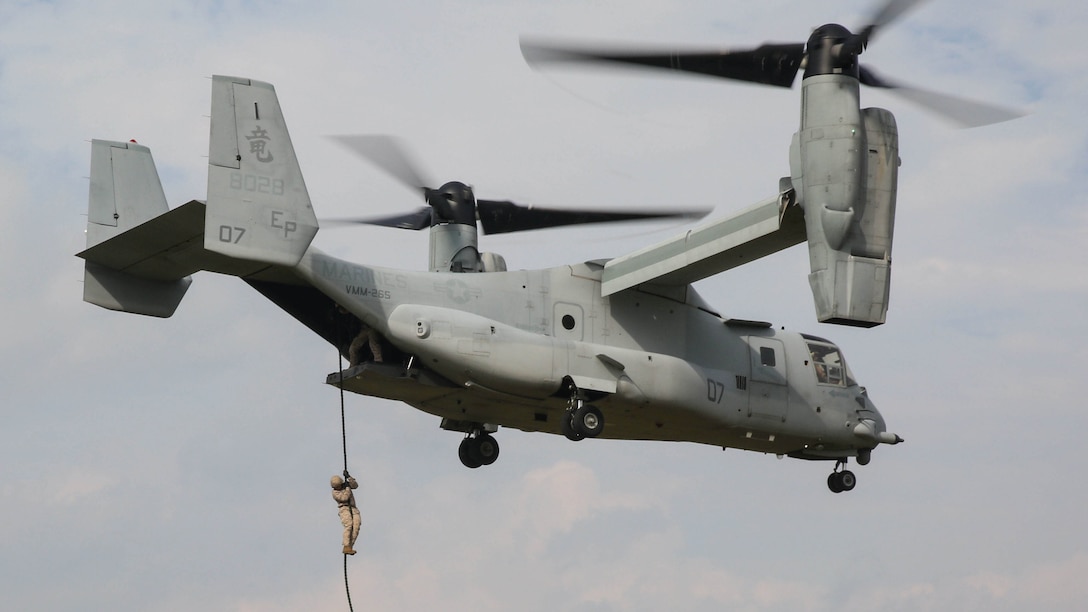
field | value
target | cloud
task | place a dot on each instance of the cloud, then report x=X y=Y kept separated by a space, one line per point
x=1056 y=585
x=551 y=503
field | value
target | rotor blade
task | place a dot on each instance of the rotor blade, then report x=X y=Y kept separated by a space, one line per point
x=892 y=10
x=388 y=154
x=420 y=219
x=769 y=64
x=885 y=14
x=967 y=113
x=501 y=216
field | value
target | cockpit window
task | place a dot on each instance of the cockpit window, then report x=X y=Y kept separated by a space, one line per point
x=829 y=365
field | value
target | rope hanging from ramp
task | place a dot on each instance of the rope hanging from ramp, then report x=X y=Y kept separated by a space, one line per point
x=343 y=422
x=344 y=445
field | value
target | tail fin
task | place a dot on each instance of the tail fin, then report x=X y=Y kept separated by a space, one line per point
x=258 y=206
x=125 y=193
x=125 y=189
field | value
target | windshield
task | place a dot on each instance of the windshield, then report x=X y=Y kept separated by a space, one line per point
x=829 y=365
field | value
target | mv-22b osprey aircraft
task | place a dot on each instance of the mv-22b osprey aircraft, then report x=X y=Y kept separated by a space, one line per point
x=622 y=348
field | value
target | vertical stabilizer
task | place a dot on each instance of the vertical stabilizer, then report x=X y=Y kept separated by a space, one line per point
x=258 y=206
x=125 y=189
x=125 y=193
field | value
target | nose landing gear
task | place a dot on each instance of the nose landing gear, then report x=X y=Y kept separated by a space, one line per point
x=841 y=479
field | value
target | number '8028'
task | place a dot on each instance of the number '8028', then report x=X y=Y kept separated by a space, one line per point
x=256 y=184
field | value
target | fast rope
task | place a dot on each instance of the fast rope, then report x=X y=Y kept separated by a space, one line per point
x=343 y=423
x=344 y=444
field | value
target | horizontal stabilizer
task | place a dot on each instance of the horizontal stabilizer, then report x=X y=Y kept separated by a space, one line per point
x=140 y=250
x=168 y=247
x=766 y=228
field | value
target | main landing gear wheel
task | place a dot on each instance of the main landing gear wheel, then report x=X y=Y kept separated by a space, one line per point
x=580 y=420
x=566 y=425
x=477 y=450
x=585 y=422
x=588 y=421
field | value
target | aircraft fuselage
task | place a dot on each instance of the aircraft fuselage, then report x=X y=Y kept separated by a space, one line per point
x=658 y=362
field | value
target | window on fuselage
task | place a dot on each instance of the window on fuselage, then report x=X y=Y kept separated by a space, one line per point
x=829 y=365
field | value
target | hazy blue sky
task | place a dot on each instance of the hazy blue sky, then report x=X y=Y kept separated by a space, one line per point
x=184 y=463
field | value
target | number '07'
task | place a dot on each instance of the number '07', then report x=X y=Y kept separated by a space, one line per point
x=714 y=391
x=231 y=234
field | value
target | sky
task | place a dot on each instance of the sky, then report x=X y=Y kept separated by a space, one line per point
x=183 y=463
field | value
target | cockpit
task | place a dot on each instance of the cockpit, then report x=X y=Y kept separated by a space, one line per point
x=826 y=359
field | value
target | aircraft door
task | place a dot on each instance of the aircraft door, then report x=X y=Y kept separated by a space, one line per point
x=768 y=391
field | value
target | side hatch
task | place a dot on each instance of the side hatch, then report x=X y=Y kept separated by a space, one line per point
x=768 y=390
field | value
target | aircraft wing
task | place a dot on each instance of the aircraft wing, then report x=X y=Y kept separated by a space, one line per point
x=768 y=227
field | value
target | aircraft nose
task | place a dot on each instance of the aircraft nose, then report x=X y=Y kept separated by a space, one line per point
x=871 y=426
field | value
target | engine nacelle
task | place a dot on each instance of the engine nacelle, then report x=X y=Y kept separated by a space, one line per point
x=844 y=163
x=454 y=248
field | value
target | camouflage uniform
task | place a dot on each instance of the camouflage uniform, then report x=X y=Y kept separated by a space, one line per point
x=349 y=514
x=367 y=336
